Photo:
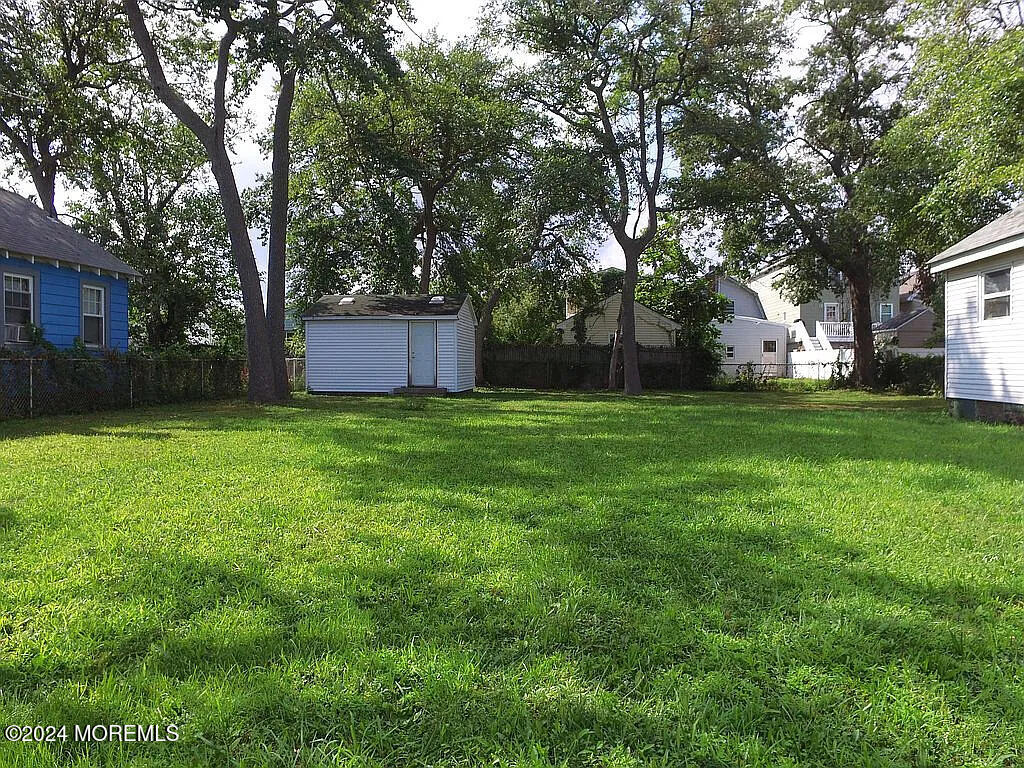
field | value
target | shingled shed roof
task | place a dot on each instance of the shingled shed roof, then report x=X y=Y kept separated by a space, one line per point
x=1005 y=230
x=361 y=305
x=25 y=230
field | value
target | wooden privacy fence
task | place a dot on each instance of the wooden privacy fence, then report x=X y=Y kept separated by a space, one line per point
x=571 y=366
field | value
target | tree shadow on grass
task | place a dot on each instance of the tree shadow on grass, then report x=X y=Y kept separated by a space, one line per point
x=715 y=644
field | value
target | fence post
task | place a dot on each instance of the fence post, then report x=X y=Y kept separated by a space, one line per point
x=31 y=386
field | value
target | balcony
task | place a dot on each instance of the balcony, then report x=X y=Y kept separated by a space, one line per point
x=841 y=331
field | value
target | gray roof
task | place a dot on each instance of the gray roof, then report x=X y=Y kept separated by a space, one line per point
x=1006 y=226
x=409 y=305
x=26 y=230
x=900 y=320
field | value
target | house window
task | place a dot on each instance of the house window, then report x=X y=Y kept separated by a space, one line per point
x=611 y=339
x=730 y=353
x=831 y=313
x=18 y=303
x=884 y=312
x=730 y=307
x=93 y=315
x=769 y=346
x=995 y=288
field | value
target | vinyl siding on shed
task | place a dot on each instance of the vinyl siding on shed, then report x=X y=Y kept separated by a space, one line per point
x=984 y=358
x=357 y=355
x=465 y=332
x=446 y=360
x=744 y=303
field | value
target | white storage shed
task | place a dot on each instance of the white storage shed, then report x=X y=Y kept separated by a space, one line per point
x=383 y=344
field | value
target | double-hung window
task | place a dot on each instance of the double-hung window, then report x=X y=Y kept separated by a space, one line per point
x=730 y=352
x=93 y=315
x=884 y=312
x=831 y=313
x=18 y=307
x=995 y=292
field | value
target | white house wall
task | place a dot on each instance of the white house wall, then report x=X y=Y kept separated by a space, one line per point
x=745 y=304
x=357 y=355
x=465 y=334
x=744 y=335
x=984 y=358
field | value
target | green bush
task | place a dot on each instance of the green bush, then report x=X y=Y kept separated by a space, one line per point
x=910 y=374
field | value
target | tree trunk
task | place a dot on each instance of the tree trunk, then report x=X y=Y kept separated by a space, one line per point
x=429 y=239
x=257 y=341
x=863 y=338
x=630 y=357
x=276 y=259
x=483 y=330
x=45 y=181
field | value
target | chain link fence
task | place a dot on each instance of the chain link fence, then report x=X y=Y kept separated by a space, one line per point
x=815 y=371
x=49 y=386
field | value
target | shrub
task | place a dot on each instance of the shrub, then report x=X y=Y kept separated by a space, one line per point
x=910 y=374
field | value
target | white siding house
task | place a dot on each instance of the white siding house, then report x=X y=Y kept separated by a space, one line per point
x=380 y=344
x=753 y=341
x=985 y=320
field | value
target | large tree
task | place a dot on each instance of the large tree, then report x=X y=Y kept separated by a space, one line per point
x=148 y=202
x=804 y=180
x=288 y=37
x=59 y=60
x=622 y=78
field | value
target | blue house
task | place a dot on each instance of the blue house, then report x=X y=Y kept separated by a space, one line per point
x=59 y=281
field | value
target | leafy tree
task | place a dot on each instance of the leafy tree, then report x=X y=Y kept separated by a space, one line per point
x=804 y=179
x=959 y=146
x=248 y=36
x=622 y=78
x=148 y=206
x=59 y=60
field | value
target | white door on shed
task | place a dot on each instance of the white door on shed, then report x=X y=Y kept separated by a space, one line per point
x=422 y=353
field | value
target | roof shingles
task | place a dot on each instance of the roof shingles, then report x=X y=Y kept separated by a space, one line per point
x=362 y=305
x=26 y=230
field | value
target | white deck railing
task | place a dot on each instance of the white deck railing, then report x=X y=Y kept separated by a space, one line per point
x=829 y=330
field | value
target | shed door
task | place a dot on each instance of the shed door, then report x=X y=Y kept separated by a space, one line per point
x=769 y=355
x=423 y=353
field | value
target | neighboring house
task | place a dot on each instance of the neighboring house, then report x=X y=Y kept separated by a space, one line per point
x=985 y=320
x=57 y=280
x=652 y=329
x=826 y=321
x=910 y=332
x=747 y=337
x=383 y=344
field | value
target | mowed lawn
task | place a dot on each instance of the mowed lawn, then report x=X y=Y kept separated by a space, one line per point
x=518 y=579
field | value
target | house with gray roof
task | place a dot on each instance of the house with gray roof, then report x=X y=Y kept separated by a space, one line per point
x=58 y=281
x=984 y=276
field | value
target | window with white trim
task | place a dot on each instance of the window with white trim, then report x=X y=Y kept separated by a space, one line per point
x=93 y=315
x=611 y=339
x=18 y=307
x=730 y=307
x=885 y=312
x=769 y=346
x=730 y=352
x=831 y=313
x=995 y=292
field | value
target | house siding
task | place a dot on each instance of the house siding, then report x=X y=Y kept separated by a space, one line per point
x=984 y=358
x=60 y=301
x=780 y=309
x=602 y=324
x=357 y=355
x=745 y=335
x=745 y=304
x=465 y=340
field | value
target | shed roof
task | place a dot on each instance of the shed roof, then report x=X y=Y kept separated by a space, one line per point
x=26 y=230
x=366 y=305
x=985 y=242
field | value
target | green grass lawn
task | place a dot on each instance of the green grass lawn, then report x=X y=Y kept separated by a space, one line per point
x=518 y=579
